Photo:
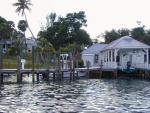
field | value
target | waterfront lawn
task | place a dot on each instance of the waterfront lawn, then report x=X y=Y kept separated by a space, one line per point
x=10 y=61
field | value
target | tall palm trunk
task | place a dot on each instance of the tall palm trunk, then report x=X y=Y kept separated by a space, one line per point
x=28 y=25
x=32 y=35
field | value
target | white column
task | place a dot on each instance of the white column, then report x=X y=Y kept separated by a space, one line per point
x=147 y=57
x=111 y=58
x=115 y=54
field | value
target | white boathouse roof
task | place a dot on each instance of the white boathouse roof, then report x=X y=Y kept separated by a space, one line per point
x=125 y=42
x=94 y=49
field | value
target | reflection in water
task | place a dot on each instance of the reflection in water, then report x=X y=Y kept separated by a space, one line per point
x=94 y=95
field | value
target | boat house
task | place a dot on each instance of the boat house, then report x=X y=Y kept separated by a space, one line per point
x=123 y=50
x=92 y=55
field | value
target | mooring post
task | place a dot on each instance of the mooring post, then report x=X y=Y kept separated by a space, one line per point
x=37 y=76
x=37 y=66
x=62 y=76
x=77 y=75
x=54 y=61
x=100 y=70
x=88 y=72
x=47 y=74
x=54 y=76
x=1 y=56
x=115 y=73
x=70 y=65
x=1 y=61
x=2 y=77
x=59 y=65
x=146 y=74
x=32 y=63
x=18 y=69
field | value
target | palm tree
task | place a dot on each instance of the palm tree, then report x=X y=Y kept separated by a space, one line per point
x=16 y=49
x=22 y=5
x=22 y=25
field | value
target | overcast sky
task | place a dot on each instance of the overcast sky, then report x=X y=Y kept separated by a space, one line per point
x=101 y=15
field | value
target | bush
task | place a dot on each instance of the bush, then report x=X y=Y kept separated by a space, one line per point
x=80 y=63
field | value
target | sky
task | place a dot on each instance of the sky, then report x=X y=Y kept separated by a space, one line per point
x=101 y=15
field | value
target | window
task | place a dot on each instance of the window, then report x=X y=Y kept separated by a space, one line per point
x=96 y=58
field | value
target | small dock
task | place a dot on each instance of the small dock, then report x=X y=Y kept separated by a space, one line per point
x=55 y=74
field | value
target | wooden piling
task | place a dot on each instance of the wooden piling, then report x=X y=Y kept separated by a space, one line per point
x=146 y=74
x=47 y=74
x=2 y=76
x=33 y=64
x=62 y=76
x=18 y=69
x=70 y=55
x=54 y=76
x=77 y=75
x=88 y=72
x=115 y=73
x=37 y=76
x=59 y=65
x=1 y=56
x=100 y=70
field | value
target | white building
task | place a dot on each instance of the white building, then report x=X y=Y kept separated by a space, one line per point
x=30 y=43
x=119 y=52
x=7 y=43
x=92 y=55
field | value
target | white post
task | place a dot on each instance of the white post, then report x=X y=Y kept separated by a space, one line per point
x=147 y=57
x=23 y=62
x=108 y=59
x=115 y=55
x=111 y=58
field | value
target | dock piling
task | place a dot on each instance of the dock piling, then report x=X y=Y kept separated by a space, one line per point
x=1 y=78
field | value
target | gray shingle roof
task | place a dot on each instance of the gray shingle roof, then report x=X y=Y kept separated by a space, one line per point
x=126 y=42
x=94 y=49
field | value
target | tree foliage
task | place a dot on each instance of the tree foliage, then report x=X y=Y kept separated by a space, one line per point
x=22 y=25
x=6 y=28
x=23 y=5
x=139 y=33
x=67 y=30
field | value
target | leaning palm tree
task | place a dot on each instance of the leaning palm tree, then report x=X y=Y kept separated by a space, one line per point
x=22 y=5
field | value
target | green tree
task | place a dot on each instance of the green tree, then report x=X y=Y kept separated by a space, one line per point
x=138 y=33
x=110 y=36
x=44 y=48
x=22 y=25
x=23 y=5
x=6 y=28
x=50 y=19
x=68 y=30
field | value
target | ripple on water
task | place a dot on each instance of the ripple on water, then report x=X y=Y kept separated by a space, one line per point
x=84 y=96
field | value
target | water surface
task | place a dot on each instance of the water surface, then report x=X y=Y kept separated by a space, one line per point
x=121 y=95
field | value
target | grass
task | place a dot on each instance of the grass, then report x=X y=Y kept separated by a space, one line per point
x=10 y=61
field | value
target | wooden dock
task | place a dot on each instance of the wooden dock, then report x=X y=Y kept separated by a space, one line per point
x=45 y=72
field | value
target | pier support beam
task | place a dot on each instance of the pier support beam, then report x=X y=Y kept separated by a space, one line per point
x=33 y=64
x=1 y=78
x=1 y=56
x=115 y=73
x=37 y=77
x=146 y=74
x=88 y=70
